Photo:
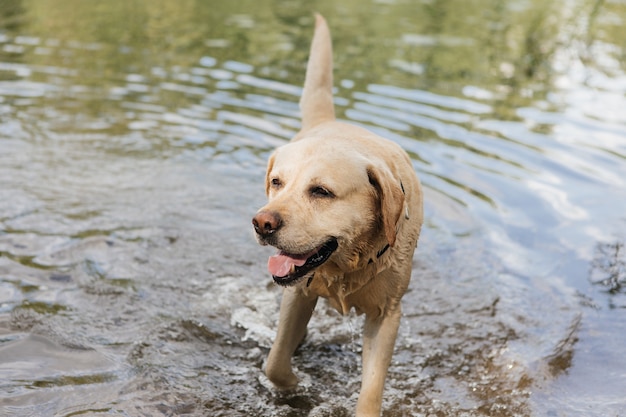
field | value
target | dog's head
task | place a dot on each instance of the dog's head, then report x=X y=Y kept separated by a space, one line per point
x=328 y=201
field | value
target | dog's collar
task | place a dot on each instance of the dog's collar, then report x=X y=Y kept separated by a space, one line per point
x=380 y=253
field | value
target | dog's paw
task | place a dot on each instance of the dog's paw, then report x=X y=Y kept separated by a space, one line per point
x=295 y=382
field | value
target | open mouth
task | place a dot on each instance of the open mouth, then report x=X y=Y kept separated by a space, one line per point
x=287 y=269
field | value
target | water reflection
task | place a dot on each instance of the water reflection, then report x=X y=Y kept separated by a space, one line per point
x=609 y=267
x=133 y=141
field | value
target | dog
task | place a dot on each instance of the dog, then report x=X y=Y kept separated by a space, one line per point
x=344 y=211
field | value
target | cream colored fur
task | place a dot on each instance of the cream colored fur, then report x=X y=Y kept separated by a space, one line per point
x=375 y=206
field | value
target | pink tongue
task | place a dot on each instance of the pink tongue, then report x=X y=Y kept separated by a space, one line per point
x=279 y=265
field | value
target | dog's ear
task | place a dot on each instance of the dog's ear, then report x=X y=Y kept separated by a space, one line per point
x=270 y=166
x=390 y=198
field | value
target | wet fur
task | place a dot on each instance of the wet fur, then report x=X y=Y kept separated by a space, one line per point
x=375 y=213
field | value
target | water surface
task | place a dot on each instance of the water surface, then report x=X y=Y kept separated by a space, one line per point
x=133 y=143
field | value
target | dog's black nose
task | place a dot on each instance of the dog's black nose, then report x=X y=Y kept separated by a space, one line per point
x=266 y=222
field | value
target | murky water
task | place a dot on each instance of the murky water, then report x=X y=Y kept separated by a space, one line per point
x=133 y=141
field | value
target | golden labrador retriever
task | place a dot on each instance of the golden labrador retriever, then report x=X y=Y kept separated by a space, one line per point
x=344 y=212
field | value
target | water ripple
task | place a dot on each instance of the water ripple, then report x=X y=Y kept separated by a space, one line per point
x=271 y=85
x=422 y=96
x=407 y=108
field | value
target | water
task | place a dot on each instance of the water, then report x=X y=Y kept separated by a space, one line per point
x=133 y=141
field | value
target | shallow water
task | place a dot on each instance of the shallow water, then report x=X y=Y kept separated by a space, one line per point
x=133 y=141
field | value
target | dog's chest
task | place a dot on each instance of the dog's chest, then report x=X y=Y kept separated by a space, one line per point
x=340 y=289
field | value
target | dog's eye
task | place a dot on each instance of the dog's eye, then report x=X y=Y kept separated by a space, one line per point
x=318 y=191
x=276 y=183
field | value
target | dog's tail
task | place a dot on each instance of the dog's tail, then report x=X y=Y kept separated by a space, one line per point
x=316 y=103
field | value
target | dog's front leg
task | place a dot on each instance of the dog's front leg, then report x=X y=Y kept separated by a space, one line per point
x=295 y=311
x=379 y=337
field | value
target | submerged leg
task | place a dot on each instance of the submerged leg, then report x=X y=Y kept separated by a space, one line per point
x=295 y=312
x=379 y=338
